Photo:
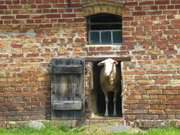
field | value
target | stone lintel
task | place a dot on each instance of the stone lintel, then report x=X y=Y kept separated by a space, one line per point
x=94 y=59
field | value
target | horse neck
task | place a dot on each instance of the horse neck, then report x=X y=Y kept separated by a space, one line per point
x=114 y=68
x=113 y=72
x=112 y=75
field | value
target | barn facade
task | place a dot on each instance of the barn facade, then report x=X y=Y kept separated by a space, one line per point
x=142 y=35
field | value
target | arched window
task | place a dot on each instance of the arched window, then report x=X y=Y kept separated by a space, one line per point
x=104 y=29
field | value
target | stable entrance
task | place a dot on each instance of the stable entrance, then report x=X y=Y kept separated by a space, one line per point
x=98 y=95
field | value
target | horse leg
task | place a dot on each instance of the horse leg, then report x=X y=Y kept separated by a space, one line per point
x=114 y=101
x=106 y=100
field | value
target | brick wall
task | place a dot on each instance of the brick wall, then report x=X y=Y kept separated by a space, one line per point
x=31 y=34
x=152 y=77
x=35 y=31
x=19 y=14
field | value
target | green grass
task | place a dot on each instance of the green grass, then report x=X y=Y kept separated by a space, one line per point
x=162 y=131
x=49 y=130
x=63 y=130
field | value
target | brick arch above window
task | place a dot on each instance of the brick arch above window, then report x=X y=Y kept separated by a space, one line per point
x=92 y=8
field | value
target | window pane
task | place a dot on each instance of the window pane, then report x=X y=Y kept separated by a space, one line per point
x=94 y=38
x=105 y=29
x=106 y=37
x=117 y=37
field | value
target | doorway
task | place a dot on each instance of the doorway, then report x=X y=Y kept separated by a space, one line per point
x=99 y=95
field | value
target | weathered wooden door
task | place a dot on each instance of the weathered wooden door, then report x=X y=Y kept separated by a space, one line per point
x=67 y=88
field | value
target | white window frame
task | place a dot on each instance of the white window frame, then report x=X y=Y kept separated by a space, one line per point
x=100 y=36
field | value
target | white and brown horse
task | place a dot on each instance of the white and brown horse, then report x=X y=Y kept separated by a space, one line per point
x=109 y=78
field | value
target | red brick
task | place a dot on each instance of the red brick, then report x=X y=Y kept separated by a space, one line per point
x=148 y=2
x=14 y=45
x=22 y=16
x=15 y=6
x=44 y=6
x=140 y=13
x=16 y=1
x=131 y=3
x=3 y=6
x=154 y=13
x=59 y=5
x=7 y=17
x=75 y=5
x=162 y=2
x=170 y=7
x=175 y=1
x=68 y=15
x=53 y=16
x=177 y=6
x=8 y=2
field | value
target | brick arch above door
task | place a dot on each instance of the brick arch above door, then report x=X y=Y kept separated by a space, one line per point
x=96 y=7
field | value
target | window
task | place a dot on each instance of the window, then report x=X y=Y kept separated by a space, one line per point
x=105 y=29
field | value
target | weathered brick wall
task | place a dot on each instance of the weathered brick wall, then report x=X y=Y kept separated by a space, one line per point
x=35 y=31
x=31 y=34
x=152 y=77
x=19 y=14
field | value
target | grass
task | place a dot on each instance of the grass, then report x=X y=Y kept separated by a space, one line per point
x=63 y=130
x=162 y=131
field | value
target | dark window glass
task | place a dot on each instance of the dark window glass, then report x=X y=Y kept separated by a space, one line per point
x=117 y=37
x=94 y=37
x=101 y=18
x=106 y=37
x=105 y=26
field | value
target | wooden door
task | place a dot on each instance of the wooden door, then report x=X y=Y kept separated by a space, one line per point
x=67 y=88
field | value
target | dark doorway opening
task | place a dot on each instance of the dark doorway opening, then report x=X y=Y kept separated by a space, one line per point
x=100 y=99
